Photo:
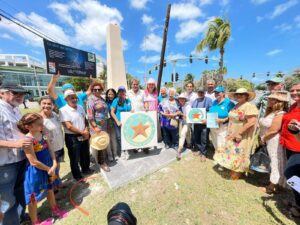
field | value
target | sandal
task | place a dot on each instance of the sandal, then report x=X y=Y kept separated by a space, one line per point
x=270 y=189
x=235 y=175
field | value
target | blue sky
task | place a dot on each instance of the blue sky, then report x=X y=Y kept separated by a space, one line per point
x=265 y=33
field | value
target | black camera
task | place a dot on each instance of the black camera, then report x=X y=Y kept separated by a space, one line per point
x=121 y=214
x=293 y=131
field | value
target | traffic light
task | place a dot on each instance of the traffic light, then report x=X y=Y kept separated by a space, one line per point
x=177 y=77
x=241 y=77
x=253 y=75
x=156 y=67
x=172 y=77
x=166 y=83
x=191 y=58
x=165 y=64
x=149 y=71
x=206 y=59
x=268 y=74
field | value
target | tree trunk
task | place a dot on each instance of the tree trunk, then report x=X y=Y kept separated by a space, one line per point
x=222 y=50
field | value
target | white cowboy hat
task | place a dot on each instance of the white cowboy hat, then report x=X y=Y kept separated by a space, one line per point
x=182 y=96
x=251 y=94
x=280 y=96
x=100 y=141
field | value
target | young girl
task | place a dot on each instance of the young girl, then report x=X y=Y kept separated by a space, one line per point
x=52 y=129
x=40 y=174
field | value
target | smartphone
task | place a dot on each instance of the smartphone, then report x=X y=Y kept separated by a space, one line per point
x=294 y=182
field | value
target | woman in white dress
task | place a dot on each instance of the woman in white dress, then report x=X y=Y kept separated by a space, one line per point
x=270 y=134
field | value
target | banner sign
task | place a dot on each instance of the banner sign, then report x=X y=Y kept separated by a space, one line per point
x=196 y=115
x=138 y=130
x=212 y=120
x=69 y=61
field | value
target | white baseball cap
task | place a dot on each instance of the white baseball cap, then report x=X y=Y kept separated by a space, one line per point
x=68 y=93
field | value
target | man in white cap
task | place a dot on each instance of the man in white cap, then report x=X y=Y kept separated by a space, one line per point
x=274 y=84
x=73 y=119
x=12 y=158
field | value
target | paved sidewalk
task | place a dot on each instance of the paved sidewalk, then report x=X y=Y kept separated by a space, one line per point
x=138 y=165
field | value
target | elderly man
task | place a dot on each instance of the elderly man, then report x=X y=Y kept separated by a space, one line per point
x=163 y=94
x=73 y=119
x=59 y=99
x=274 y=84
x=12 y=158
x=211 y=84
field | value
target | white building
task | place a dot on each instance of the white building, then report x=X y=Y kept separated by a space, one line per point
x=20 y=60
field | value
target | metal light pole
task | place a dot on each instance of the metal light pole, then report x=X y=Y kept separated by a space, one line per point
x=174 y=73
x=37 y=81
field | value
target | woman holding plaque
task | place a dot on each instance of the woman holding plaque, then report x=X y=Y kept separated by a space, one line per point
x=221 y=106
x=97 y=111
x=235 y=155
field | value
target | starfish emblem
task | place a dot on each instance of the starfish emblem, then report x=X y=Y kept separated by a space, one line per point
x=196 y=116
x=140 y=129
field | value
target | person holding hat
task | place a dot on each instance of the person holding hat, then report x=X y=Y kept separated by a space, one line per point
x=274 y=84
x=200 y=135
x=59 y=99
x=97 y=111
x=222 y=106
x=120 y=104
x=270 y=126
x=235 y=155
x=12 y=157
x=184 y=127
x=77 y=135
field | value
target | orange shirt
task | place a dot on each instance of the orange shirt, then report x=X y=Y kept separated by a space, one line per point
x=287 y=139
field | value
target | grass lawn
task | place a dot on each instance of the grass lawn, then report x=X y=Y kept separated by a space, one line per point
x=185 y=192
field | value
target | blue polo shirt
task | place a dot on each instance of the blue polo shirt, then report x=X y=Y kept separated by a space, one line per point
x=223 y=108
x=61 y=102
x=126 y=107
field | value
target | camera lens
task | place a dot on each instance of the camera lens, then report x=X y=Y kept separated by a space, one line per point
x=121 y=214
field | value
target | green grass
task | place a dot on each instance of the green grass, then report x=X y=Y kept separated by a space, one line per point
x=185 y=192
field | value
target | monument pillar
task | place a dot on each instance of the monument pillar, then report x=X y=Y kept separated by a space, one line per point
x=116 y=74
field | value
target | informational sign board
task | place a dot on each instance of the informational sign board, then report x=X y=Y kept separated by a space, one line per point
x=212 y=120
x=138 y=130
x=196 y=115
x=69 y=61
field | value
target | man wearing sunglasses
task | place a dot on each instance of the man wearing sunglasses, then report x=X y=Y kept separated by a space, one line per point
x=274 y=84
x=12 y=158
x=59 y=99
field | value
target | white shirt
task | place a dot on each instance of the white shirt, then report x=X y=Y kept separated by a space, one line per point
x=137 y=100
x=9 y=117
x=210 y=95
x=191 y=97
x=75 y=116
x=53 y=131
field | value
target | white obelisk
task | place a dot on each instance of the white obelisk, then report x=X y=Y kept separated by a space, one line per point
x=116 y=74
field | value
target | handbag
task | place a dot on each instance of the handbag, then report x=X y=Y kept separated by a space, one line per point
x=174 y=123
x=260 y=160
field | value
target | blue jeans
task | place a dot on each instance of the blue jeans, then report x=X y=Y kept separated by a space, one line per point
x=12 y=191
x=118 y=135
x=293 y=169
x=170 y=136
x=200 y=138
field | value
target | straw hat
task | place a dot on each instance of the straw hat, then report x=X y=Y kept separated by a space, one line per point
x=182 y=96
x=99 y=141
x=251 y=94
x=280 y=96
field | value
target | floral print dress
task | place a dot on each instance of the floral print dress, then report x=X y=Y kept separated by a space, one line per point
x=236 y=155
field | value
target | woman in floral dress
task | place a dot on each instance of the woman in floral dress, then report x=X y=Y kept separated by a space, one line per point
x=235 y=155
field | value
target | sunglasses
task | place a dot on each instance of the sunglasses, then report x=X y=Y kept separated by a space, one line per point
x=97 y=90
x=239 y=94
x=271 y=84
x=17 y=93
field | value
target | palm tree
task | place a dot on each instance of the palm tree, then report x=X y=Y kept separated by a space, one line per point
x=189 y=78
x=217 y=35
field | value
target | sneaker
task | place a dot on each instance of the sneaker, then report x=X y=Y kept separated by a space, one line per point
x=105 y=167
x=220 y=168
x=59 y=213
x=88 y=172
x=167 y=146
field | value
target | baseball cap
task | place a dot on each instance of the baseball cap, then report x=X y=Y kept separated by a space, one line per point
x=200 y=89
x=275 y=80
x=68 y=93
x=121 y=88
x=219 y=89
x=13 y=86
x=67 y=86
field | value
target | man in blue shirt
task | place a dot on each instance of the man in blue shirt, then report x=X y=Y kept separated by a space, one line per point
x=59 y=99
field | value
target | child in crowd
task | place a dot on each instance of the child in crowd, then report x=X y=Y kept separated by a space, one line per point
x=52 y=129
x=184 y=127
x=41 y=173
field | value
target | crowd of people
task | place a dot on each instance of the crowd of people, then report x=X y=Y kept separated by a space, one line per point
x=32 y=145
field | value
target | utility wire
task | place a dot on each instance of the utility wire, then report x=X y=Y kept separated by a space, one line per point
x=26 y=27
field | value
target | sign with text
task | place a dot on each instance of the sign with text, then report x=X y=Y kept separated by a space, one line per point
x=138 y=130
x=69 y=61
x=196 y=115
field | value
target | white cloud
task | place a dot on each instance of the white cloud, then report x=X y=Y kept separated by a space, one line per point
x=6 y=36
x=205 y=2
x=147 y=19
x=152 y=42
x=124 y=45
x=259 y=2
x=284 y=27
x=149 y=59
x=138 y=4
x=183 y=11
x=259 y=19
x=274 y=52
x=224 y=2
x=173 y=56
x=190 y=29
x=281 y=8
x=297 y=21
x=63 y=12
